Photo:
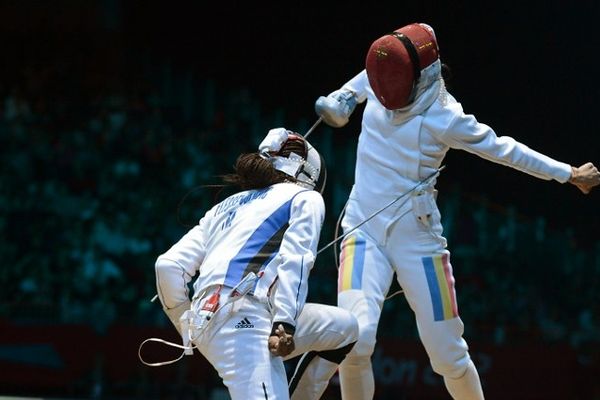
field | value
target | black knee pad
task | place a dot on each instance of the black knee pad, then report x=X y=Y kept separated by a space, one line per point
x=336 y=355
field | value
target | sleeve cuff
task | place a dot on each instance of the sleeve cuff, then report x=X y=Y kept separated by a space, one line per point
x=176 y=312
x=289 y=328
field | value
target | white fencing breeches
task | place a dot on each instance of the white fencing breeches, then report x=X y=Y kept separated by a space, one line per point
x=235 y=343
x=324 y=335
x=416 y=252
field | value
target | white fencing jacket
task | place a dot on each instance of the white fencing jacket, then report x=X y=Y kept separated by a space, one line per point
x=273 y=232
x=399 y=148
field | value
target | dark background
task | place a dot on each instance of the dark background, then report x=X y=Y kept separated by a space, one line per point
x=528 y=69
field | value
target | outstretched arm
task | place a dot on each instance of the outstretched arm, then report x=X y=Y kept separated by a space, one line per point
x=462 y=131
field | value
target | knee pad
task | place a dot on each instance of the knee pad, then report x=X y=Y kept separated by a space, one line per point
x=349 y=326
x=365 y=345
x=451 y=366
x=336 y=355
x=447 y=350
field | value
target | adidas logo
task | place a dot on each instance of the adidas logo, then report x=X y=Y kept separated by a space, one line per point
x=245 y=323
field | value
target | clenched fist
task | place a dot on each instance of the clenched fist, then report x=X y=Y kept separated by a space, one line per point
x=281 y=343
x=585 y=177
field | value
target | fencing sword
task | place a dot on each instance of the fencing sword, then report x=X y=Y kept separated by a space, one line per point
x=312 y=128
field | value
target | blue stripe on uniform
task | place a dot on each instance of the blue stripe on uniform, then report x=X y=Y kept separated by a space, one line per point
x=359 y=262
x=434 y=289
x=269 y=227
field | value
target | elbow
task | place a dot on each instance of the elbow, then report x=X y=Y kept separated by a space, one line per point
x=163 y=265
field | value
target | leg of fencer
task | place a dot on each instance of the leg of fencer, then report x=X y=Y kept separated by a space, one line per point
x=324 y=335
x=248 y=372
x=365 y=276
x=356 y=378
x=311 y=377
x=466 y=387
x=430 y=292
x=313 y=372
x=356 y=373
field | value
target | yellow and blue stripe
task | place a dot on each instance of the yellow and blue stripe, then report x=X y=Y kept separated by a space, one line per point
x=441 y=286
x=352 y=261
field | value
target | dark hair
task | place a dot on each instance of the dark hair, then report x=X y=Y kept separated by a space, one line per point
x=254 y=172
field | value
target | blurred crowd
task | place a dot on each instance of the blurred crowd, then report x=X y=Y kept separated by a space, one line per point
x=98 y=180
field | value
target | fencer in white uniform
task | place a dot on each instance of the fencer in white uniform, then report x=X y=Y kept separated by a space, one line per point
x=409 y=123
x=266 y=238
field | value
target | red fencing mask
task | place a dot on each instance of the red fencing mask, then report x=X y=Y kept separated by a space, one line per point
x=394 y=63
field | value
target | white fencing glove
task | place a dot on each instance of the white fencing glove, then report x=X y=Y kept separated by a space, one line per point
x=335 y=109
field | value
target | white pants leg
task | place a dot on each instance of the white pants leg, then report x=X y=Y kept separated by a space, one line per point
x=235 y=343
x=324 y=335
x=422 y=264
x=416 y=251
x=364 y=279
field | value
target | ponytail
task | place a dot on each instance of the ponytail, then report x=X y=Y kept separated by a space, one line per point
x=254 y=172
